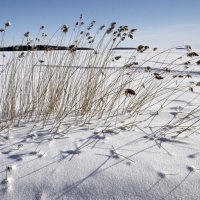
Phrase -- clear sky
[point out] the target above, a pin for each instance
(159, 22)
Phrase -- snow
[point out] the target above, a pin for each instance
(121, 158)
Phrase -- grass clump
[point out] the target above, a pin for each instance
(53, 85)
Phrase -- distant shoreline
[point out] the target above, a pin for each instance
(52, 48)
(39, 48)
(61, 48)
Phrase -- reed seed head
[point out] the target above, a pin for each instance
(101, 27)
(198, 84)
(158, 76)
(72, 48)
(180, 76)
(140, 48)
(188, 76)
(191, 89)
(133, 30)
(42, 27)
(148, 69)
(65, 28)
(41, 61)
(186, 63)
(198, 62)
(192, 54)
(130, 36)
(44, 35)
(117, 57)
(129, 92)
(26, 34)
(7, 24)
(131, 64)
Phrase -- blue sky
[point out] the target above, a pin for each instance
(160, 22)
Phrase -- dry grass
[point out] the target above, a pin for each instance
(52, 85)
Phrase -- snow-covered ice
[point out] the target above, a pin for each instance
(118, 159)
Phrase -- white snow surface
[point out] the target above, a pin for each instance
(116, 160)
(125, 164)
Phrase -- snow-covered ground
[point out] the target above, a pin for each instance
(152, 157)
